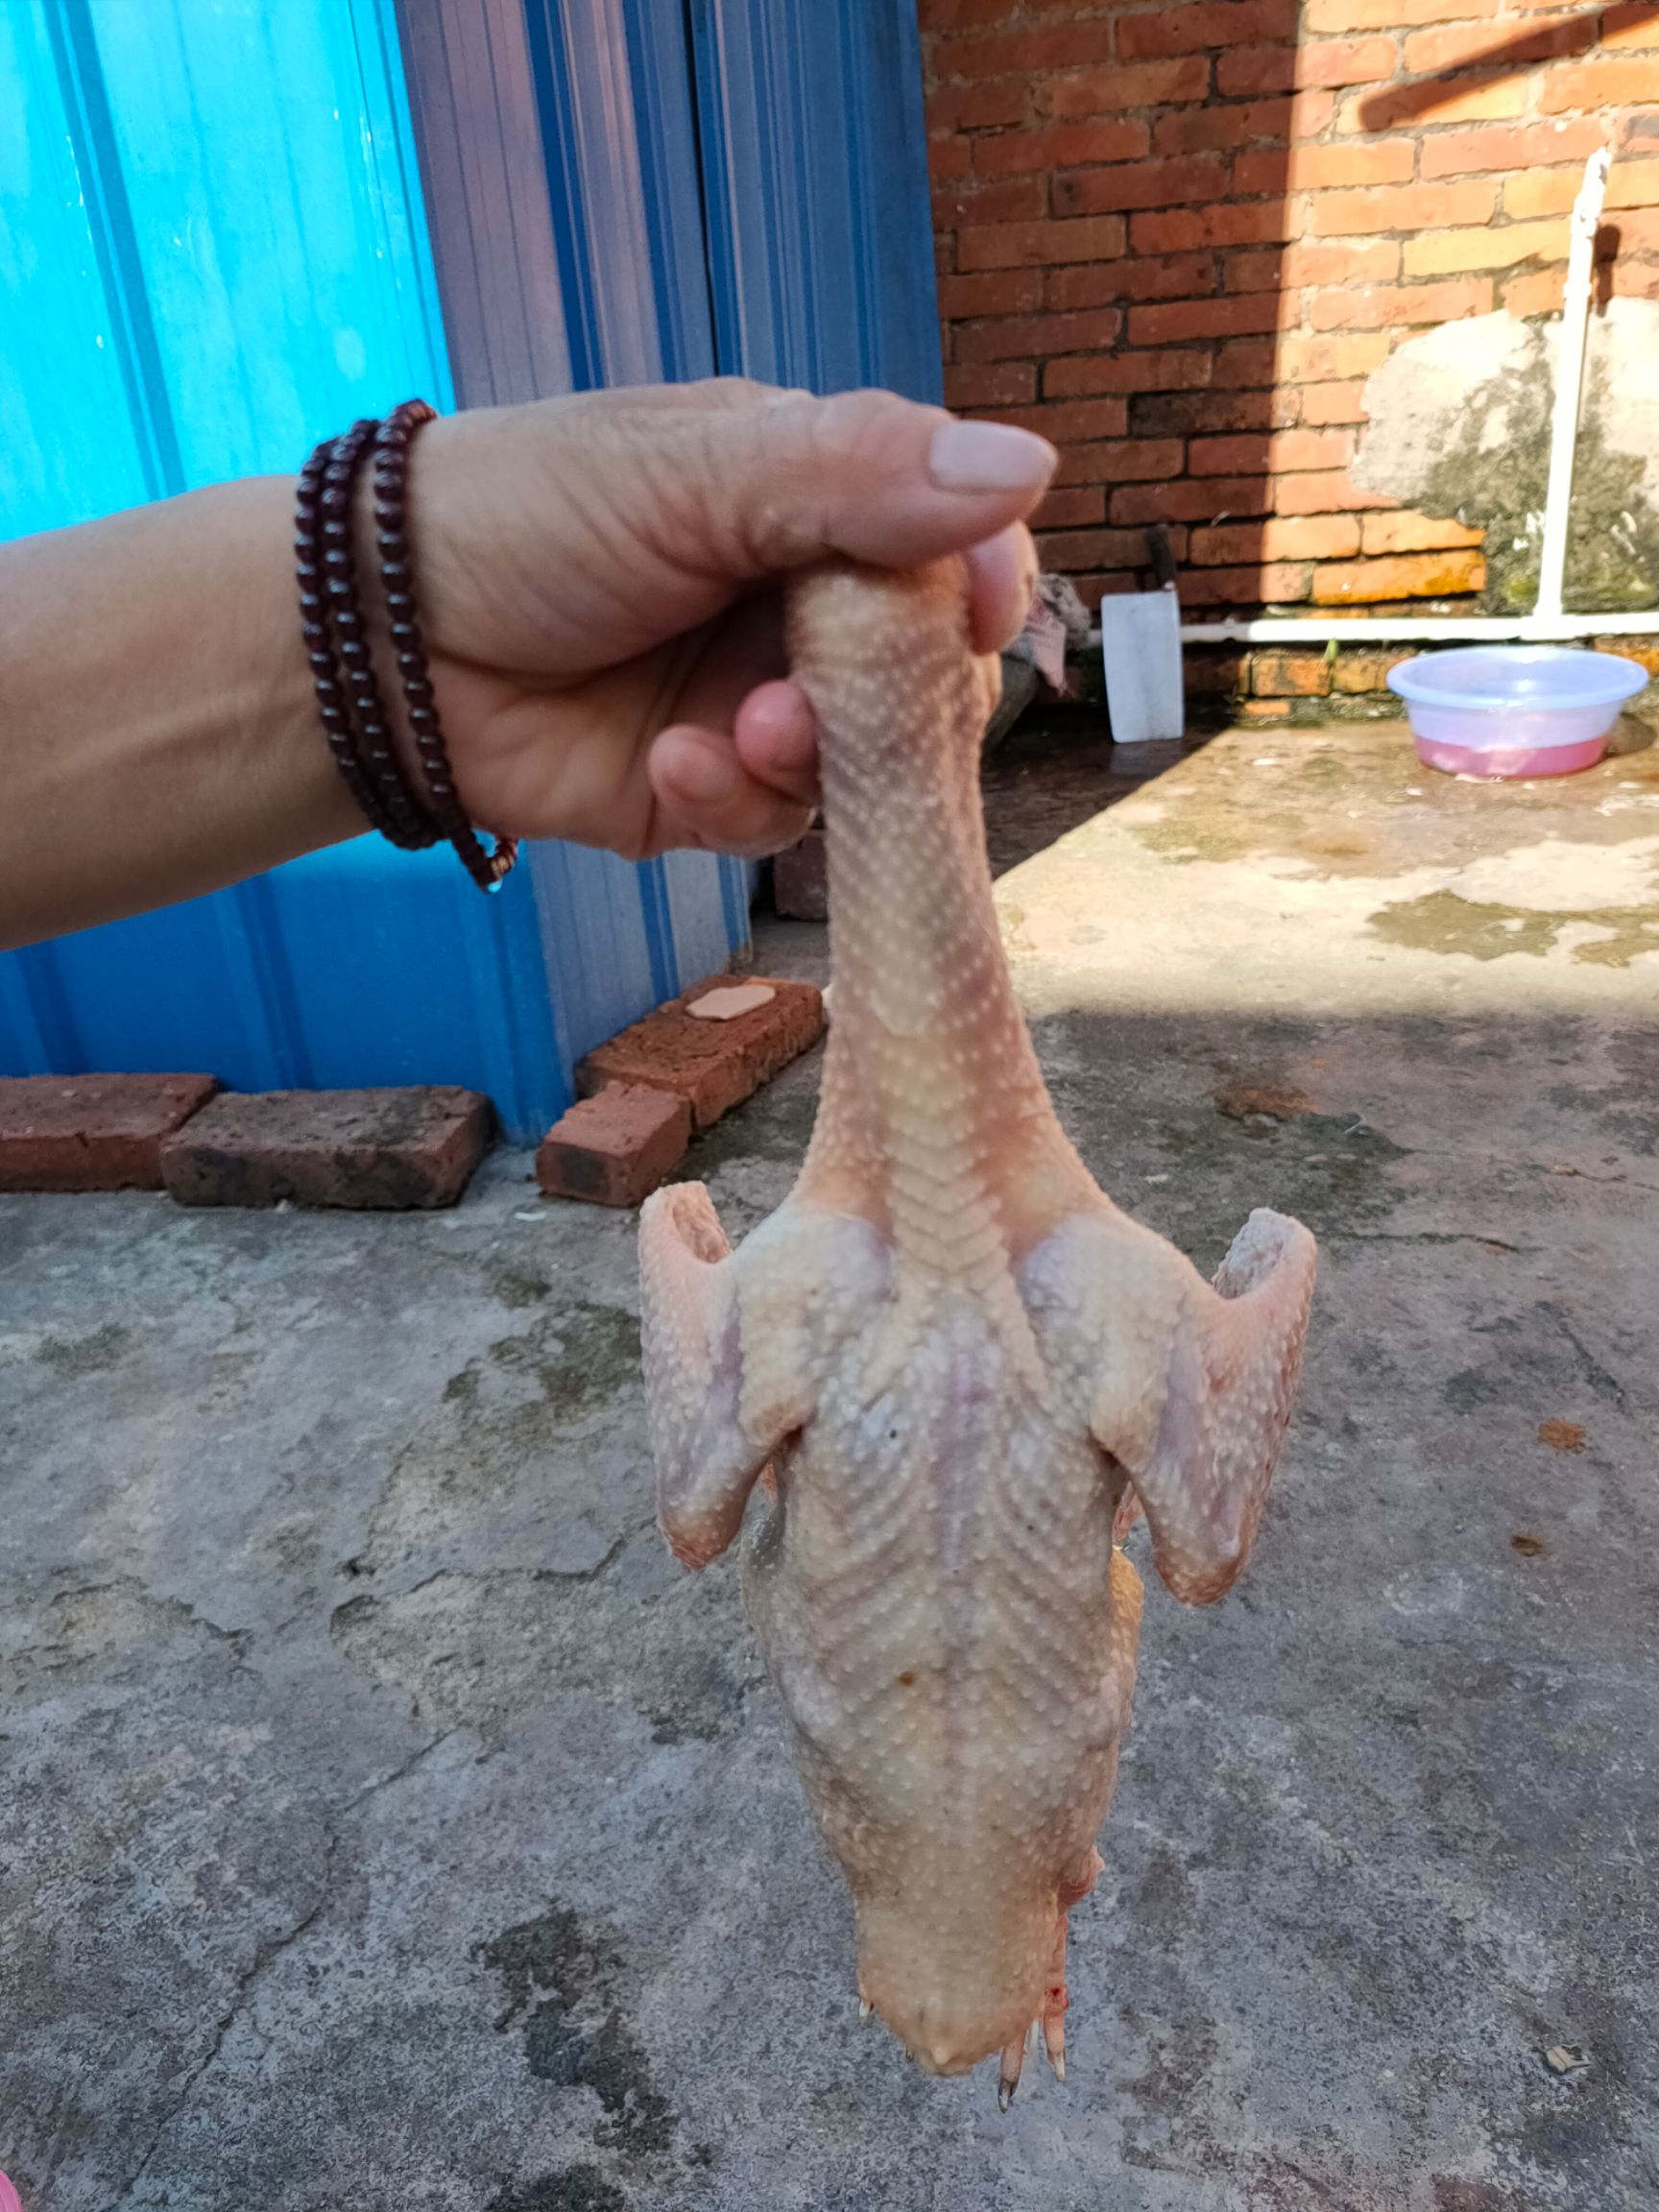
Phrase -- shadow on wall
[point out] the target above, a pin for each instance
(1473, 57)
(1475, 504)
(1180, 241)
(1478, 393)
(1111, 204)
(1484, 62)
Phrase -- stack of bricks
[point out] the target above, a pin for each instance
(1177, 240)
(648, 1089)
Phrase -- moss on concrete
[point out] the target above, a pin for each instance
(1500, 484)
(1465, 433)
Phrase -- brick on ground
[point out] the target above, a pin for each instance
(91, 1132)
(712, 1064)
(392, 1149)
(615, 1147)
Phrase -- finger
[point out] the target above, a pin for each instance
(706, 796)
(1002, 577)
(863, 473)
(776, 741)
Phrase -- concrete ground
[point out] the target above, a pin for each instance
(387, 1822)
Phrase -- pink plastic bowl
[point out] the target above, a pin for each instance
(1508, 761)
(10, 2200)
(1514, 710)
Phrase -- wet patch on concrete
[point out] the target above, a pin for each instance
(1326, 807)
(1541, 1347)
(562, 1986)
(1292, 799)
(1328, 1171)
(1173, 1122)
(580, 2188)
(1442, 922)
(577, 1355)
(99, 1349)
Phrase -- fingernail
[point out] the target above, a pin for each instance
(989, 457)
(704, 774)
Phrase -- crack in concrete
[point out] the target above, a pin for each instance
(267, 1955)
(1584, 1175)
(263, 1957)
(365, 1598)
(120, 1583)
(1425, 1236)
(89, 1620)
(1607, 1386)
(398, 1773)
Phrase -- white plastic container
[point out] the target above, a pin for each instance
(1514, 710)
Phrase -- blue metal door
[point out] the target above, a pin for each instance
(226, 229)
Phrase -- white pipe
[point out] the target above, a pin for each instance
(1530, 629)
(1570, 382)
(1352, 629)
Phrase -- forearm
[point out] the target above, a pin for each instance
(158, 735)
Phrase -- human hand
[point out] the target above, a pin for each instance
(599, 585)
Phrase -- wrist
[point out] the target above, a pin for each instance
(365, 644)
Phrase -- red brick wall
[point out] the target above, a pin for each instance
(1177, 239)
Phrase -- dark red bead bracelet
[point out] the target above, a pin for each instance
(349, 697)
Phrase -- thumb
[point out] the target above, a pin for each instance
(867, 474)
(571, 534)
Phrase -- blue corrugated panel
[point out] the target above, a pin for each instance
(815, 187)
(422, 982)
(255, 269)
(578, 118)
(472, 97)
(65, 372)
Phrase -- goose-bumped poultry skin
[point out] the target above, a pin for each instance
(961, 1365)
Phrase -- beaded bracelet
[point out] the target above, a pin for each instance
(348, 698)
(392, 442)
